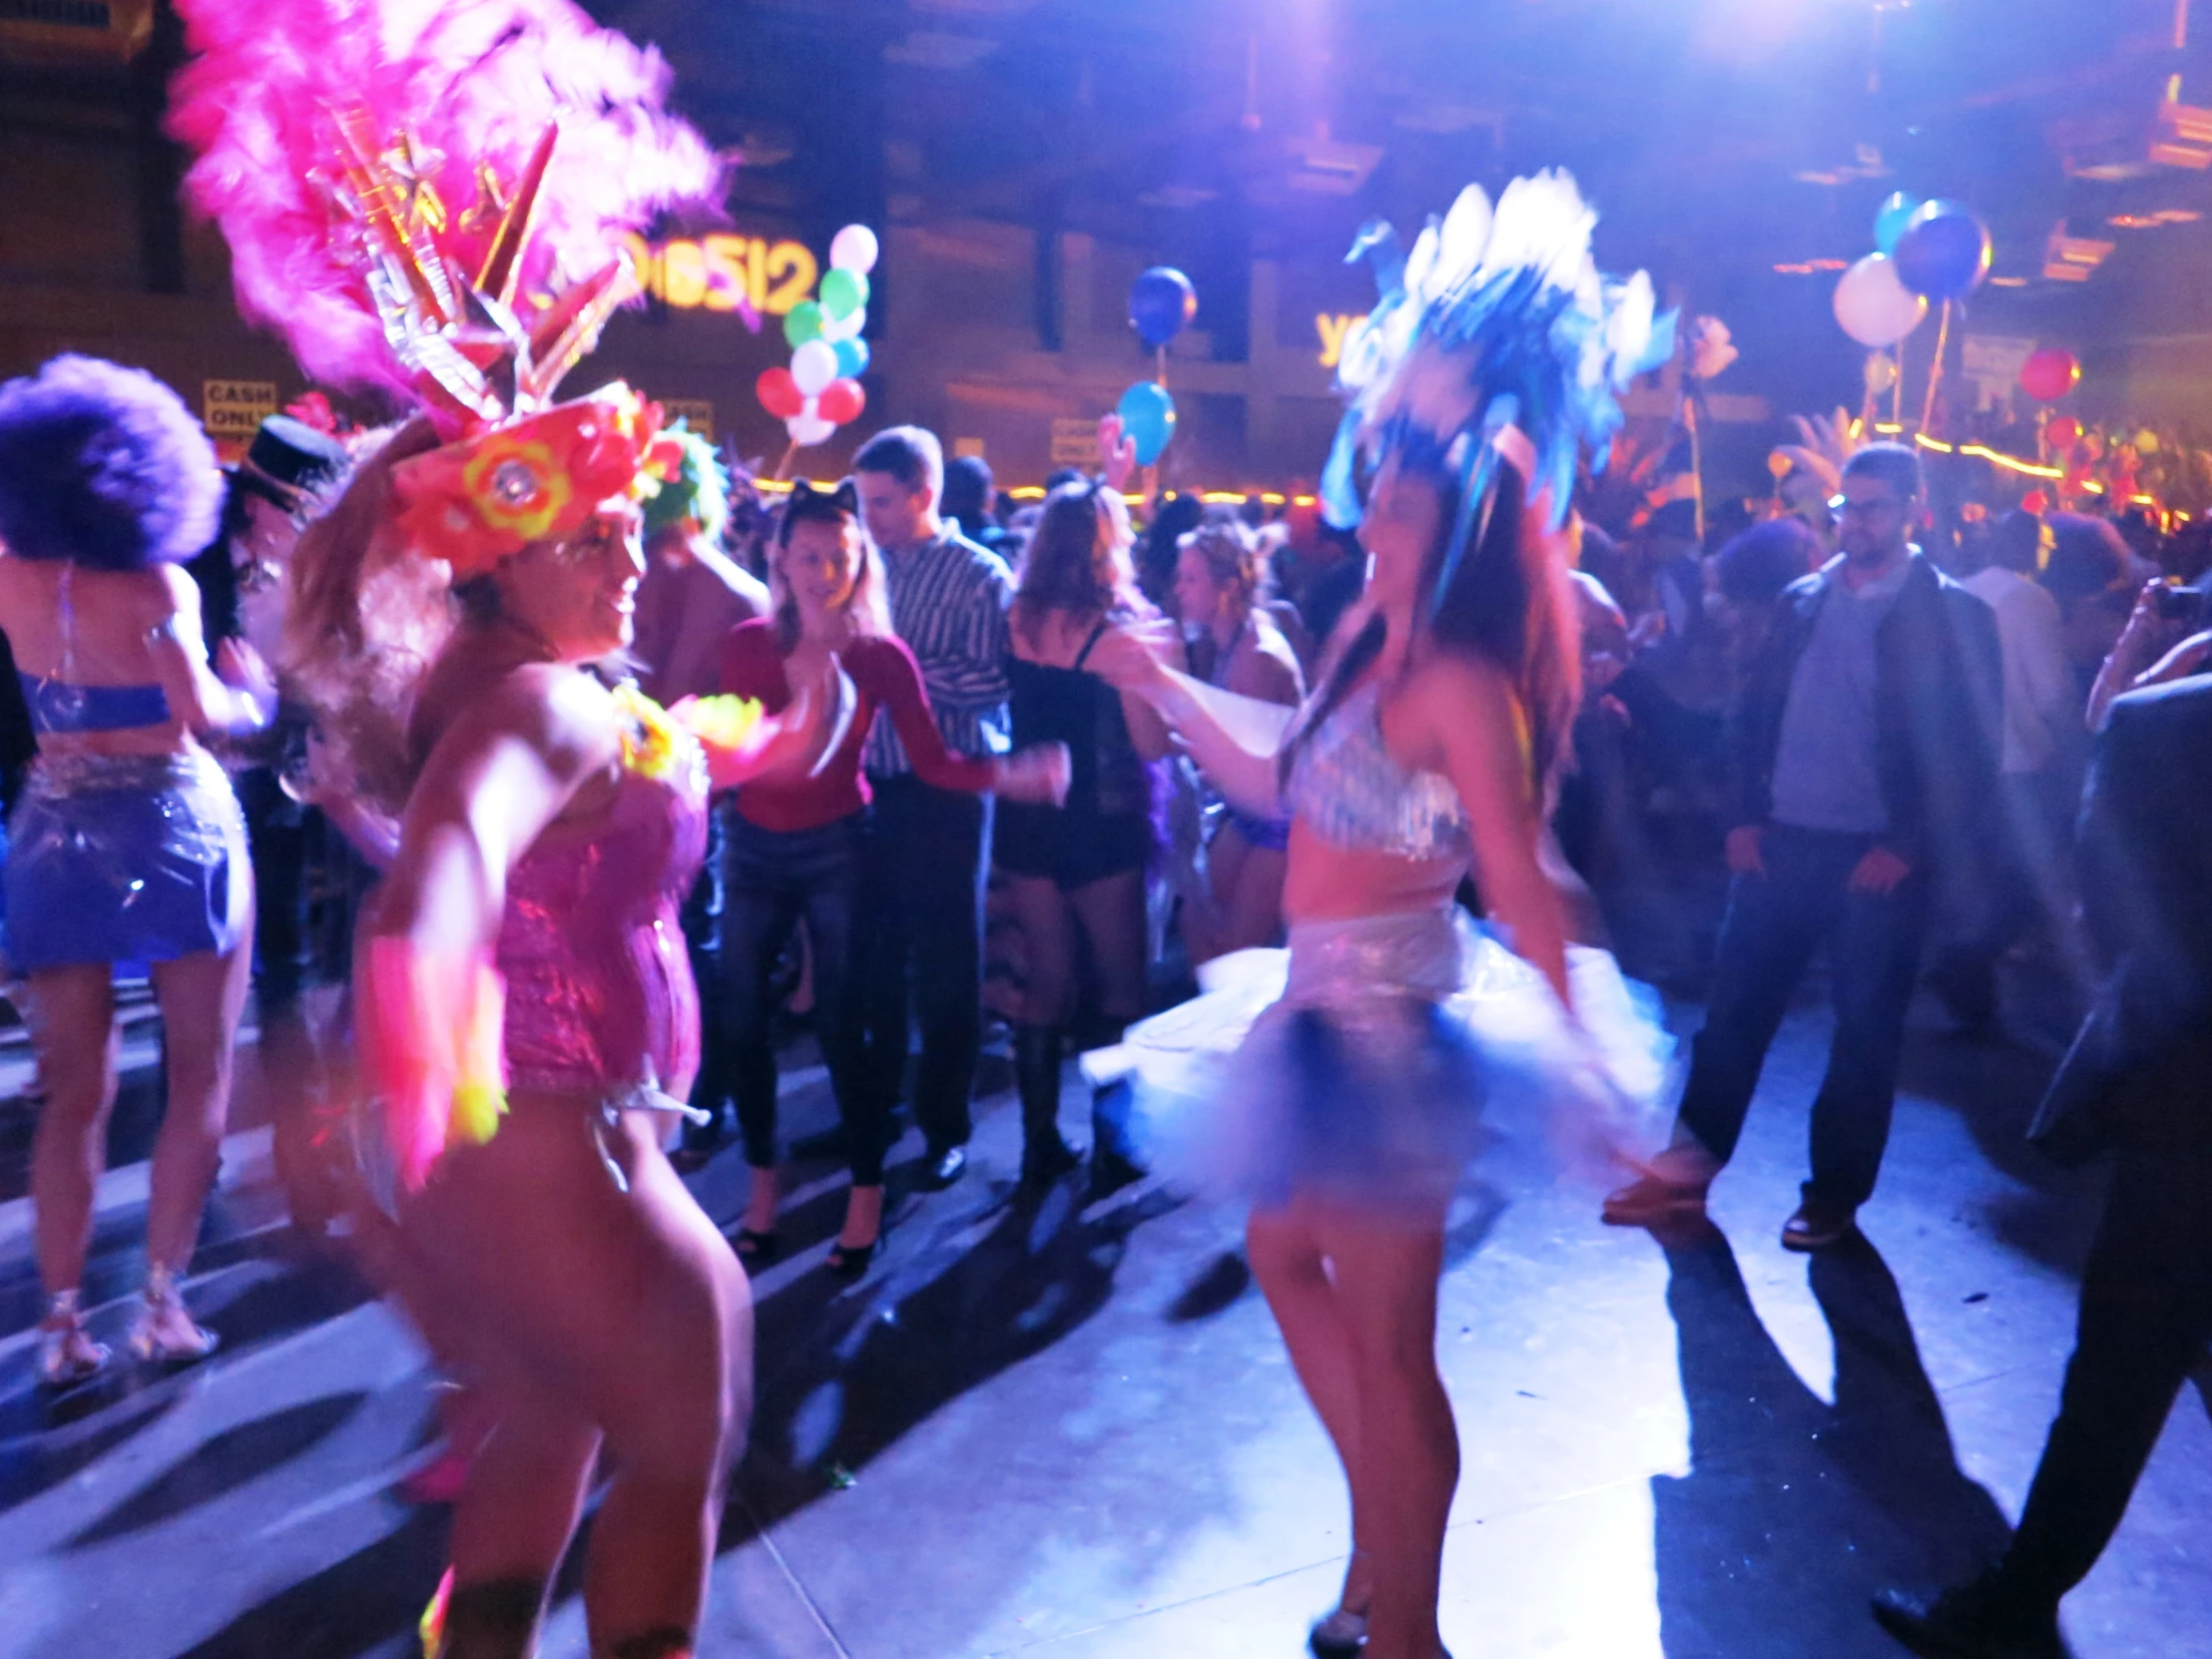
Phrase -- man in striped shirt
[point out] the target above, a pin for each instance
(930, 848)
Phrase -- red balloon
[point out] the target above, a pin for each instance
(2036, 502)
(780, 393)
(2049, 375)
(842, 401)
(2063, 433)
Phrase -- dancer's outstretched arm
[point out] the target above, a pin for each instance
(1236, 741)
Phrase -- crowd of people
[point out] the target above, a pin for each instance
(1043, 715)
(1879, 731)
(587, 774)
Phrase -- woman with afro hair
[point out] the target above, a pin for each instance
(127, 845)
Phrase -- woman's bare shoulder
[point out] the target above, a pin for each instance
(1267, 668)
(1447, 688)
(566, 716)
(1051, 638)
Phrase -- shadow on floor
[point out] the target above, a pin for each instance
(46, 1438)
(222, 1463)
(1795, 1512)
(1994, 1086)
(842, 1377)
(361, 1605)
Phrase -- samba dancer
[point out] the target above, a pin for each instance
(1425, 752)
(526, 1011)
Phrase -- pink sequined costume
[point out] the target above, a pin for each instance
(600, 997)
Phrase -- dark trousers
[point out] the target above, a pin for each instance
(2146, 1314)
(922, 948)
(279, 835)
(703, 928)
(1773, 924)
(772, 879)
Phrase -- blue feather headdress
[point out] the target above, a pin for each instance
(1497, 318)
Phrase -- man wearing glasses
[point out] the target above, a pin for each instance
(1863, 752)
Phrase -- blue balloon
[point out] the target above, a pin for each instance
(851, 359)
(1945, 252)
(1160, 304)
(1890, 222)
(1146, 416)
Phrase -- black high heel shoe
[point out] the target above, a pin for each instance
(754, 1250)
(849, 1262)
(1339, 1635)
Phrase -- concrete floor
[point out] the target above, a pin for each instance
(1073, 1435)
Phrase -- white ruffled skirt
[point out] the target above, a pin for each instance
(1356, 1065)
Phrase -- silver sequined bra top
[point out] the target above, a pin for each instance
(1348, 790)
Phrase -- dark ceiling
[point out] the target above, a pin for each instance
(1720, 137)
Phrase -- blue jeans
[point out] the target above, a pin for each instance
(702, 919)
(1773, 924)
(771, 878)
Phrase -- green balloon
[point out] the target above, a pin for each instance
(802, 323)
(844, 292)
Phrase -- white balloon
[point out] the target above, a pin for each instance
(815, 367)
(844, 328)
(808, 429)
(1873, 306)
(854, 249)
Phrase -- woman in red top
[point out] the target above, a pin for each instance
(795, 844)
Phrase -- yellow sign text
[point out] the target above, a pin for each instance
(1334, 329)
(716, 272)
(236, 409)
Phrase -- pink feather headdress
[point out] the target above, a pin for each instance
(426, 197)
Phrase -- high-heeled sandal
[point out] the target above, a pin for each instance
(849, 1262)
(160, 1301)
(1341, 1635)
(755, 1250)
(67, 1355)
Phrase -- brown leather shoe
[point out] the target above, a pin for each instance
(1674, 1191)
(1816, 1225)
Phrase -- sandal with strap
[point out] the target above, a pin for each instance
(755, 1250)
(67, 1355)
(153, 1337)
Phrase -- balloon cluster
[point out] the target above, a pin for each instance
(1924, 251)
(820, 391)
(1162, 303)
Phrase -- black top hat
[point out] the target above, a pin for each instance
(290, 460)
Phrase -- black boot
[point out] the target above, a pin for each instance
(1045, 1156)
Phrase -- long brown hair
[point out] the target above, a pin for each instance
(364, 621)
(1509, 602)
(1070, 565)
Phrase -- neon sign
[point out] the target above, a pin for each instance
(716, 271)
(1334, 329)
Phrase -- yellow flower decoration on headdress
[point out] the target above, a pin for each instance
(517, 485)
